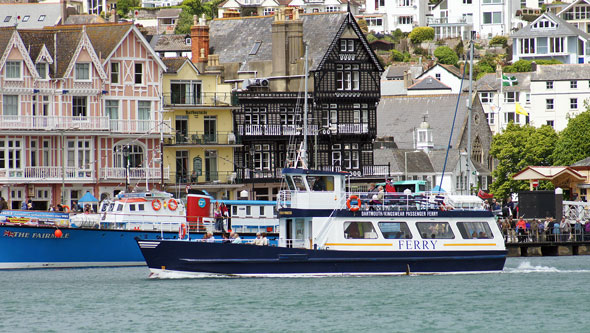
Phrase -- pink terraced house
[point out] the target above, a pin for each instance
(79, 111)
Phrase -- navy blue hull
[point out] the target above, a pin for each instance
(217, 258)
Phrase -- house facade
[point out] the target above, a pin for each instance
(551, 37)
(80, 112)
(266, 67)
(232, 8)
(387, 16)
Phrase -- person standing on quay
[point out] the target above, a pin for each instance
(3, 204)
(578, 230)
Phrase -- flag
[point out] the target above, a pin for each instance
(509, 81)
(521, 110)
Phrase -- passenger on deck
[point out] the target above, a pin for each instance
(319, 184)
(208, 238)
(258, 240)
(225, 238)
(474, 235)
(235, 238)
(264, 239)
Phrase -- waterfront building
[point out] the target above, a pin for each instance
(81, 111)
(387, 16)
(263, 58)
(233, 8)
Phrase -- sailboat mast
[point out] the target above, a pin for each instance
(305, 106)
(469, 111)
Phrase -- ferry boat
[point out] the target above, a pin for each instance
(325, 230)
(38, 239)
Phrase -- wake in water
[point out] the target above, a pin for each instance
(527, 267)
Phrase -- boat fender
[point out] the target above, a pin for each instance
(182, 231)
(172, 204)
(66, 208)
(353, 208)
(156, 204)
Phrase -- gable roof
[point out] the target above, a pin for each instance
(547, 173)
(570, 5)
(490, 82)
(563, 29)
(168, 13)
(173, 65)
(563, 72)
(449, 68)
(400, 115)
(429, 83)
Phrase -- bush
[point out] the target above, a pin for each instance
(396, 56)
(445, 55)
(420, 34)
(371, 38)
(420, 51)
(499, 40)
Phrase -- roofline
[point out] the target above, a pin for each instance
(133, 27)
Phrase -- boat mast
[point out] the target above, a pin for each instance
(305, 106)
(469, 111)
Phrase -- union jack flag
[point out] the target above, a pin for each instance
(8, 233)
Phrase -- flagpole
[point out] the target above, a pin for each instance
(469, 111)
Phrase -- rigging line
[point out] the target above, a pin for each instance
(453, 125)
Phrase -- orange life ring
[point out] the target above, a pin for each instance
(156, 204)
(353, 208)
(182, 231)
(66, 208)
(172, 204)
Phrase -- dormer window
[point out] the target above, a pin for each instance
(346, 45)
(187, 41)
(14, 70)
(544, 24)
(42, 70)
(82, 72)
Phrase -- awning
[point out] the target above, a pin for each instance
(88, 197)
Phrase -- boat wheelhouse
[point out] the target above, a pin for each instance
(326, 230)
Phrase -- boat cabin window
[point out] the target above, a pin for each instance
(120, 207)
(234, 210)
(429, 230)
(111, 207)
(395, 230)
(470, 230)
(261, 211)
(248, 210)
(321, 183)
(299, 183)
(290, 183)
(359, 230)
(140, 207)
(132, 208)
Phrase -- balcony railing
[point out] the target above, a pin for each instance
(134, 173)
(276, 130)
(202, 99)
(46, 173)
(211, 177)
(86, 123)
(201, 138)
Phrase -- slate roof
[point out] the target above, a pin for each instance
(52, 12)
(563, 29)
(563, 72)
(429, 83)
(585, 162)
(174, 64)
(398, 116)
(168, 13)
(233, 38)
(84, 19)
(162, 43)
(490, 82)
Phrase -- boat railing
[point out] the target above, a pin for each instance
(398, 201)
(294, 242)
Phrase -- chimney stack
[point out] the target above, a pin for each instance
(287, 42)
(199, 40)
(64, 11)
(113, 18)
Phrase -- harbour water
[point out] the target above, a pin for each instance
(540, 294)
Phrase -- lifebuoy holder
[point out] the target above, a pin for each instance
(156, 204)
(172, 204)
(350, 206)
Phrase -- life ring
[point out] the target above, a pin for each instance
(156, 204)
(66, 208)
(353, 208)
(182, 231)
(172, 204)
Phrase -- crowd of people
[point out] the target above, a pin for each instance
(234, 237)
(547, 230)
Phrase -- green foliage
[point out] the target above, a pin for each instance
(548, 62)
(123, 6)
(420, 51)
(194, 7)
(460, 49)
(573, 144)
(398, 35)
(525, 65)
(516, 148)
(363, 26)
(371, 38)
(396, 55)
(499, 40)
(185, 21)
(445, 55)
(420, 34)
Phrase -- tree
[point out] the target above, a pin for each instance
(446, 56)
(123, 6)
(363, 26)
(396, 55)
(573, 144)
(515, 149)
(420, 34)
(185, 21)
(191, 8)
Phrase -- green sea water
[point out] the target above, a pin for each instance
(546, 294)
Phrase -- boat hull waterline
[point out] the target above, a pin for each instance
(37, 247)
(248, 260)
